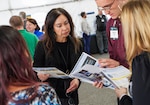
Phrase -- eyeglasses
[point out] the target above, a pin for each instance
(70, 99)
(107, 7)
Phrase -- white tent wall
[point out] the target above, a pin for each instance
(39, 8)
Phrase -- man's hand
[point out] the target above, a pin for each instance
(110, 63)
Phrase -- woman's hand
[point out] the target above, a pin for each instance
(110, 63)
(74, 84)
(42, 76)
(120, 92)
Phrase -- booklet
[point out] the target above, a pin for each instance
(87, 69)
(53, 71)
(111, 77)
(56, 73)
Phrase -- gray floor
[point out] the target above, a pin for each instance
(89, 95)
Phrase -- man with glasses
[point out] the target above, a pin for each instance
(115, 36)
(114, 32)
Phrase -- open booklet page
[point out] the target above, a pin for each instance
(111, 77)
(118, 76)
(88, 73)
(85, 59)
(53, 71)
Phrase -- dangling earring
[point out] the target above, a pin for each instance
(119, 8)
(121, 3)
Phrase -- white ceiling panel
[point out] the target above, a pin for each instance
(4, 5)
(18, 4)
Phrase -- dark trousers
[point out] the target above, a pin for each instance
(66, 102)
(117, 101)
(102, 43)
(86, 40)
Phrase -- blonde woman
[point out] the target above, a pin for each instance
(136, 27)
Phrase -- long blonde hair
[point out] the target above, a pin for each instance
(135, 18)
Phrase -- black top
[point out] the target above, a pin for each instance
(101, 22)
(63, 57)
(140, 80)
(125, 100)
(63, 49)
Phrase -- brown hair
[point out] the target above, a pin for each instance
(16, 21)
(33, 21)
(15, 62)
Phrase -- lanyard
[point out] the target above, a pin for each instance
(114, 24)
(65, 60)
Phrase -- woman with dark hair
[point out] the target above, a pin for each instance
(18, 82)
(33, 27)
(60, 48)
